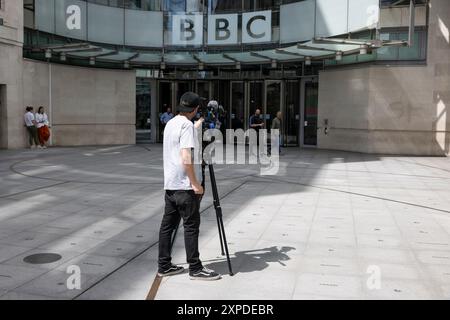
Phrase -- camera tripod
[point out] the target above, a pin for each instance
(219, 215)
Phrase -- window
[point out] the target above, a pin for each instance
(416, 52)
(388, 3)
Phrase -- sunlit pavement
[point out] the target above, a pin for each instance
(330, 225)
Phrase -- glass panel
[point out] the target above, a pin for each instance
(203, 89)
(291, 114)
(331, 17)
(105, 24)
(273, 102)
(183, 87)
(143, 111)
(150, 26)
(297, 21)
(256, 97)
(388, 53)
(165, 101)
(412, 53)
(175, 5)
(311, 102)
(256, 5)
(237, 103)
(222, 95)
(217, 6)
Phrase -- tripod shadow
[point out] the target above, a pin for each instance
(252, 260)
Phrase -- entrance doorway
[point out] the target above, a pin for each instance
(296, 99)
(284, 96)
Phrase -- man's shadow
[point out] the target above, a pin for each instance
(252, 260)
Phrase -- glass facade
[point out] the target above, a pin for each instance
(215, 6)
(271, 75)
(211, 6)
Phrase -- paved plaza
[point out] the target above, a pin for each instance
(330, 225)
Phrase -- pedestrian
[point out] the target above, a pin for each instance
(183, 193)
(30, 123)
(166, 117)
(277, 124)
(257, 123)
(42, 127)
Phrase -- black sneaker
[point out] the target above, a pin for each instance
(205, 275)
(173, 270)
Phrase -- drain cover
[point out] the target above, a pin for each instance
(42, 258)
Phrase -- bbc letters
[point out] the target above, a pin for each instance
(188, 29)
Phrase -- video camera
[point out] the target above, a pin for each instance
(212, 112)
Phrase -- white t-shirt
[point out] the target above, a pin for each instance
(42, 120)
(178, 135)
(29, 118)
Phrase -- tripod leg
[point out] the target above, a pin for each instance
(222, 236)
(217, 206)
(226, 247)
(214, 190)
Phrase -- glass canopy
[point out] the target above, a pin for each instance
(317, 49)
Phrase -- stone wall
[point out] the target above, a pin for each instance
(88, 106)
(392, 109)
(11, 41)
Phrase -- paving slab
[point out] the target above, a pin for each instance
(324, 227)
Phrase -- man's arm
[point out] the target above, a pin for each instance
(186, 155)
(252, 123)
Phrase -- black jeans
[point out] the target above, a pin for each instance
(185, 205)
(33, 136)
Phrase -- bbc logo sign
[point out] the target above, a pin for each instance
(187, 29)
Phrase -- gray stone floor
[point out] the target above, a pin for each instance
(316, 231)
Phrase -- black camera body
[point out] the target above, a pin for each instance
(212, 112)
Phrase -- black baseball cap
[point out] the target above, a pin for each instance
(188, 102)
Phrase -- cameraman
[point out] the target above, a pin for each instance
(183, 192)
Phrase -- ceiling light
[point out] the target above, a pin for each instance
(274, 64)
(308, 61)
(48, 54)
(363, 49)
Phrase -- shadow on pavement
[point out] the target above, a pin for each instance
(252, 260)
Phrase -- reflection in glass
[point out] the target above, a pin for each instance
(143, 111)
(237, 105)
(273, 102)
(291, 116)
(311, 102)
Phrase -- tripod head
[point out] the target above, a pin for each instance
(212, 112)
